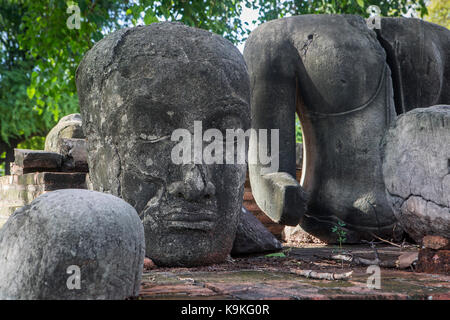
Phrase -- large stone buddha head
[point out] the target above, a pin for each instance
(136, 88)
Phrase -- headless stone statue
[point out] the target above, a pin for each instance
(336, 74)
(418, 54)
(136, 87)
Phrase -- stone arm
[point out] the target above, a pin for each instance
(273, 100)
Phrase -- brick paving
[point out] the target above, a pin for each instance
(262, 277)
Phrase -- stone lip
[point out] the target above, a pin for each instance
(97, 233)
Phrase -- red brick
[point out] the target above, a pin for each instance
(436, 242)
(434, 261)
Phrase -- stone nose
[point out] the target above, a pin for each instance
(194, 185)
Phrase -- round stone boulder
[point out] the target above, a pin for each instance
(72, 244)
(416, 170)
(68, 127)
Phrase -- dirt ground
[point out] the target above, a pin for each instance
(278, 277)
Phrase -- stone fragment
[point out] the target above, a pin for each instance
(26, 161)
(407, 260)
(253, 237)
(72, 244)
(74, 152)
(298, 235)
(69, 126)
(417, 173)
(136, 87)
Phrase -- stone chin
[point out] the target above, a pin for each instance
(193, 233)
(197, 248)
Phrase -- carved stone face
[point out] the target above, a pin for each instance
(151, 81)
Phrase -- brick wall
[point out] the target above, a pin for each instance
(19, 190)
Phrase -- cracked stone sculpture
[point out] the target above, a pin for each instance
(332, 71)
(336, 74)
(72, 244)
(416, 170)
(137, 86)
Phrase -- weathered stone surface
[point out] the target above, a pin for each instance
(253, 237)
(99, 233)
(306, 64)
(26, 161)
(417, 173)
(74, 152)
(135, 87)
(418, 53)
(67, 127)
(435, 242)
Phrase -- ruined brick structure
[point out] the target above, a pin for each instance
(21, 188)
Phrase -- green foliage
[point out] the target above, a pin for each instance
(2, 164)
(274, 9)
(439, 12)
(298, 130)
(39, 54)
(34, 143)
(340, 232)
(221, 17)
(276, 255)
(55, 51)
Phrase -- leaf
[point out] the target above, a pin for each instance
(150, 18)
(360, 3)
(30, 92)
(276, 255)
